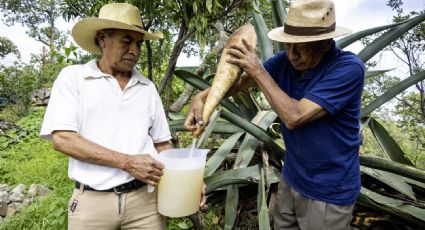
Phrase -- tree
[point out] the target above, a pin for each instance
(7, 47)
(17, 84)
(38, 16)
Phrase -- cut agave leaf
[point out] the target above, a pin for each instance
(381, 42)
(372, 73)
(392, 180)
(215, 160)
(349, 39)
(208, 130)
(231, 208)
(257, 132)
(201, 84)
(263, 211)
(394, 167)
(392, 92)
(387, 143)
(247, 149)
(394, 206)
(241, 176)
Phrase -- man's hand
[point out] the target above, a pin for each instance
(144, 168)
(194, 120)
(244, 56)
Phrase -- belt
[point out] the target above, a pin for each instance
(127, 187)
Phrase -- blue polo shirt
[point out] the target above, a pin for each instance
(322, 157)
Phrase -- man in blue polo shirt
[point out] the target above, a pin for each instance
(315, 88)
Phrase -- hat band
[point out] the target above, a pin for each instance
(307, 31)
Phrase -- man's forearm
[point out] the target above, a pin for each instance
(292, 112)
(78, 147)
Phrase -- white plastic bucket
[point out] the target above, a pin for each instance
(179, 190)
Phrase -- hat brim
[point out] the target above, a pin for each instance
(277, 34)
(84, 32)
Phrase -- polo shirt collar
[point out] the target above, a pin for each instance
(93, 71)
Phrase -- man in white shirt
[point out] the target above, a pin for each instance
(109, 120)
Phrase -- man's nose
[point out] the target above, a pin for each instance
(134, 49)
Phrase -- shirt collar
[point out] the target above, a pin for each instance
(93, 71)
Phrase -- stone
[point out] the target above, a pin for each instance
(33, 191)
(10, 211)
(41, 97)
(3, 208)
(27, 202)
(43, 191)
(4, 196)
(19, 189)
(15, 205)
(16, 197)
(4, 188)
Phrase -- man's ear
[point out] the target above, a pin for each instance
(100, 37)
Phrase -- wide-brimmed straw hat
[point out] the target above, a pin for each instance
(307, 21)
(111, 16)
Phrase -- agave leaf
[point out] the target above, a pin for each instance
(364, 121)
(263, 212)
(381, 42)
(215, 160)
(230, 211)
(256, 132)
(201, 84)
(349, 39)
(393, 167)
(222, 126)
(417, 184)
(393, 180)
(371, 73)
(246, 105)
(208, 130)
(240, 176)
(247, 149)
(394, 91)
(261, 30)
(387, 143)
(394, 206)
(279, 15)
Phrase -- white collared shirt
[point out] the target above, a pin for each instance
(130, 121)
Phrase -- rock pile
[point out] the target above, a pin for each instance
(41, 97)
(13, 200)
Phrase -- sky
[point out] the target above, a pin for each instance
(354, 14)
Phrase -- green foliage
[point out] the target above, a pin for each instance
(179, 223)
(32, 160)
(7, 47)
(17, 84)
(38, 16)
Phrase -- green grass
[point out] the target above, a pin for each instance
(32, 160)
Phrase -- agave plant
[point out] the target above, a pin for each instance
(246, 126)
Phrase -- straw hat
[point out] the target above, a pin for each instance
(307, 21)
(111, 16)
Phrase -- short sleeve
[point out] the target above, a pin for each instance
(62, 110)
(341, 84)
(159, 131)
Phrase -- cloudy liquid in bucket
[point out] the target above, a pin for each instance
(185, 184)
